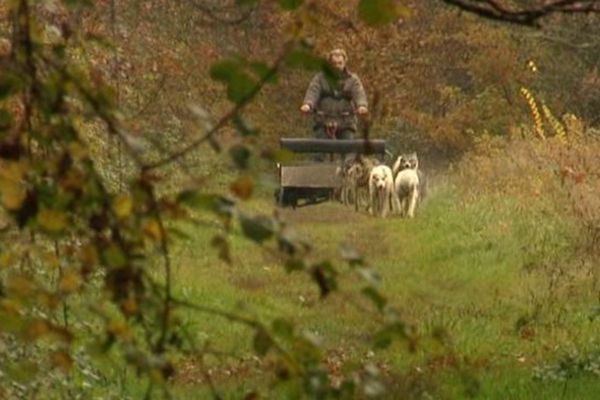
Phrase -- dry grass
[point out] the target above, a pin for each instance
(565, 176)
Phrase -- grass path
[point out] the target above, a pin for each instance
(494, 278)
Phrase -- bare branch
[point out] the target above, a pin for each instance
(221, 13)
(530, 16)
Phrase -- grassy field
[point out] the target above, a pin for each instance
(502, 283)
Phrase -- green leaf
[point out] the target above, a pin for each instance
(290, 4)
(5, 120)
(283, 328)
(224, 70)
(302, 58)
(258, 228)
(263, 71)
(375, 297)
(325, 277)
(262, 342)
(222, 245)
(9, 84)
(206, 201)
(385, 337)
(195, 199)
(294, 264)
(113, 256)
(242, 126)
(240, 155)
(241, 86)
(379, 12)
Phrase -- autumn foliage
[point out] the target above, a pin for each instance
(116, 122)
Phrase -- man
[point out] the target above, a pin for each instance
(335, 99)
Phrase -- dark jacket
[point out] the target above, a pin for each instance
(336, 98)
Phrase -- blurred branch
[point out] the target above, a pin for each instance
(529, 16)
(151, 98)
(164, 247)
(221, 13)
(567, 43)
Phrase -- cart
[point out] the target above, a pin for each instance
(308, 182)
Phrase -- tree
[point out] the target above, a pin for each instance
(81, 254)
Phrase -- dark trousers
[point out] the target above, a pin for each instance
(341, 134)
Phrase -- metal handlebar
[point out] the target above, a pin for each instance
(330, 115)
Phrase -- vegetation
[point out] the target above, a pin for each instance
(142, 255)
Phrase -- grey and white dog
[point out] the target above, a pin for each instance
(355, 179)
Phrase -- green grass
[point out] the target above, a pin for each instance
(499, 279)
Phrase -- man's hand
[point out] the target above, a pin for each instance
(362, 110)
(305, 108)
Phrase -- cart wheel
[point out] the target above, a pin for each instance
(286, 197)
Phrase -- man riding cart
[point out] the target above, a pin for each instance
(335, 98)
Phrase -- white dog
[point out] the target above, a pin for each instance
(406, 184)
(381, 190)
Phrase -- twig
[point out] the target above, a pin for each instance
(167, 270)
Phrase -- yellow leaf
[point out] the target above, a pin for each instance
(70, 282)
(51, 260)
(62, 360)
(46, 299)
(156, 375)
(52, 220)
(13, 194)
(36, 329)
(13, 170)
(12, 189)
(88, 255)
(20, 285)
(122, 206)
(77, 151)
(7, 259)
(243, 187)
(129, 306)
(119, 329)
(10, 306)
(151, 229)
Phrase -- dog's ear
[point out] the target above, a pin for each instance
(416, 162)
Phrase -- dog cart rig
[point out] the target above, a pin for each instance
(308, 182)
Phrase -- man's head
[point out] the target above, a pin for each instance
(338, 59)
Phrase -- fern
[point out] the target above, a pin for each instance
(557, 126)
(538, 126)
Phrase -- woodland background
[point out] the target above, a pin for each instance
(142, 254)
